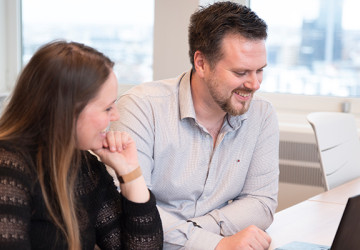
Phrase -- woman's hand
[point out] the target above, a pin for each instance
(119, 152)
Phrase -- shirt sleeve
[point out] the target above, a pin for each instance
(180, 233)
(15, 207)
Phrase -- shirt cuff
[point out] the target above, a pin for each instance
(203, 240)
(208, 223)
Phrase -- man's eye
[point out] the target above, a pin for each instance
(240, 73)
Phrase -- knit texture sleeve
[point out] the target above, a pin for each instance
(120, 223)
(15, 207)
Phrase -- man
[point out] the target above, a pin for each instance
(208, 147)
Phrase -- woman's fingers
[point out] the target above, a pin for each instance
(119, 152)
(117, 141)
(111, 141)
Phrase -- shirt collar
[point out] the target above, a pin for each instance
(187, 109)
(234, 122)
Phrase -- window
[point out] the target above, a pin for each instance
(121, 29)
(313, 46)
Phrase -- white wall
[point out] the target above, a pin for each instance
(2, 45)
(170, 37)
(10, 42)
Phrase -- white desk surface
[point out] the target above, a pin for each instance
(339, 194)
(314, 220)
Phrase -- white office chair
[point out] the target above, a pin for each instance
(339, 146)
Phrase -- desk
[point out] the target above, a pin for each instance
(314, 220)
(339, 194)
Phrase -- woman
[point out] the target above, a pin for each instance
(54, 194)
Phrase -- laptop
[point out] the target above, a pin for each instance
(347, 235)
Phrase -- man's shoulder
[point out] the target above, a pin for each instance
(261, 100)
(154, 89)
(261, 108)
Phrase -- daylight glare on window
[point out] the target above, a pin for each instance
(121, 29)
(313, 46)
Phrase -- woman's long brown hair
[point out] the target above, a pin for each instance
(52, 90)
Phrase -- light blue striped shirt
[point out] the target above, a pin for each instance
(223, 189)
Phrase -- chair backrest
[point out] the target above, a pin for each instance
(339, 146)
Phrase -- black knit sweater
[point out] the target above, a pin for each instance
(106, 218)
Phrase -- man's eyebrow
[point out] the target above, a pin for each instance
(246, 70)
(263, 66)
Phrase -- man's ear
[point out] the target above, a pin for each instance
(199, 63)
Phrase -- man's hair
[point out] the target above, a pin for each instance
(210, 24)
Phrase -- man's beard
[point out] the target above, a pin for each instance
(225, 102)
